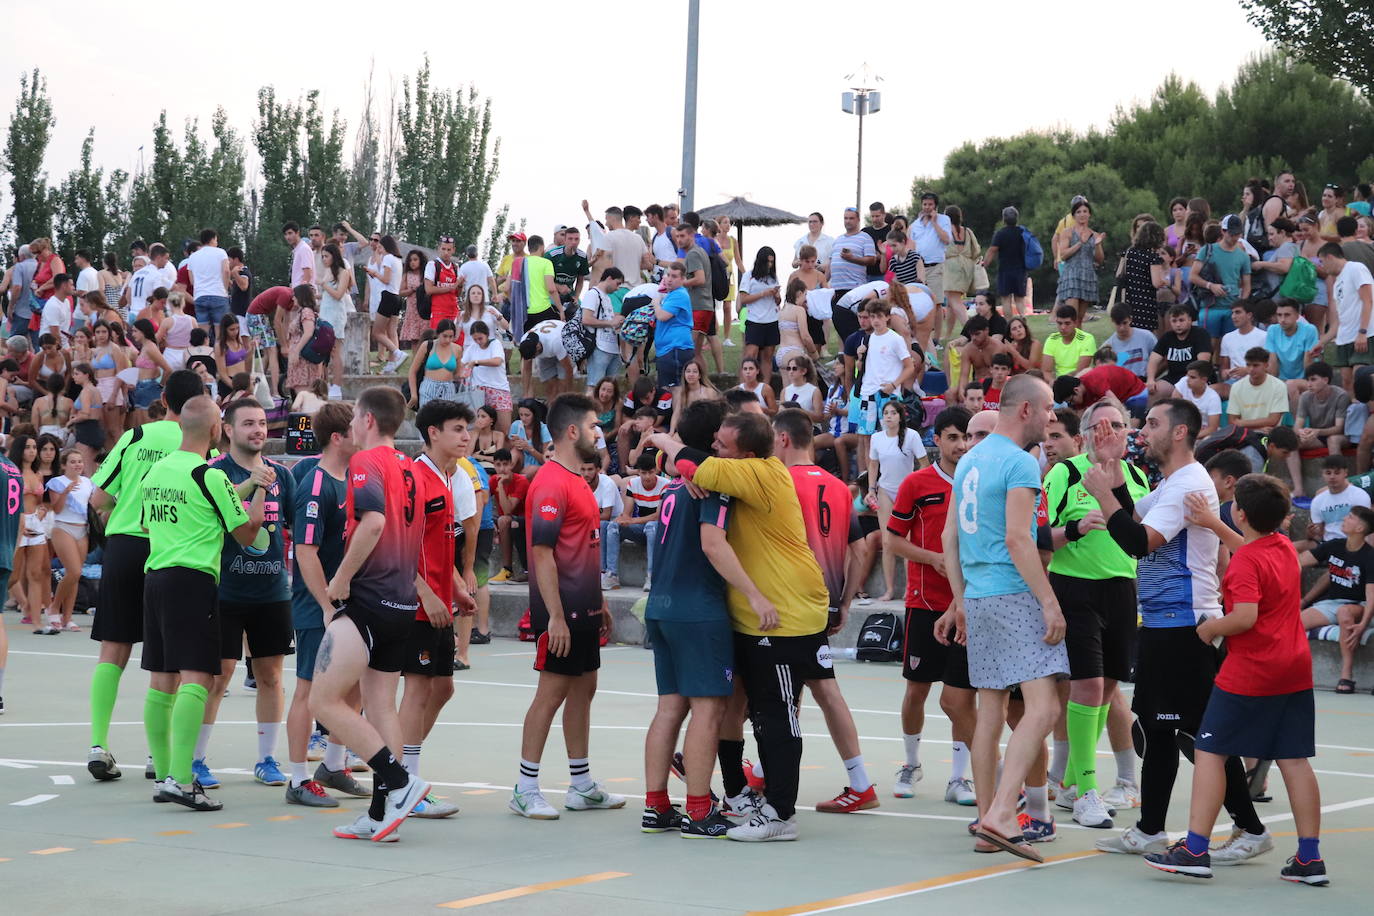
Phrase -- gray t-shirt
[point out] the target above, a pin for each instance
(1321, 414)
(698, 260)
(1363, 252)
(23, 275)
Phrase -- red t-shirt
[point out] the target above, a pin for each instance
(831, 525)
(184, 278)
(1272, 657)
(918, 514)
(269, 300)
(515, 489)
(992, 397)
(436, 547)
(382, 479)
(561, 512)
(1119, 380)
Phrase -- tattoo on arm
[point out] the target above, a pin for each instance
(322, 655)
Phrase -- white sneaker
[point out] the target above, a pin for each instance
(1122, 795)
(609, 581)
(1241, 846)
(647, 582)
(904, 786)
(1135, 843)
(398, 356)
(1089, 811)
(728, 342)
(388, 367)
(399, 803)
(431, 807)
(589, 799)
(960, 792)
(744, 805)
(365, 828)
(765, 827)
(335, 392)
(533, 805)
(1066, 796)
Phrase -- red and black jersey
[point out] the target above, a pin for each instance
(561, 512)
(831, 525)
(382, 479)
(918, 514)
(436, 548)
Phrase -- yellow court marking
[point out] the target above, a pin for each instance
(531, 889)
(230, 826)
(285, 817)
(898, 890)
(174, 833)
(54, 850)
(115, 839)
(4, 860)
(621, 779)
(479, 791)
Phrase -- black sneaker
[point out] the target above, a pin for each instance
(479, 638)
(710, 827)
(1313, 873)
(678, 767)
(655, 821)
(192, 796)
(148, 771)
(1179, 861)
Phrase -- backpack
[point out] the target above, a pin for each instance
(1235, 438)
(637, 325)
(523, 630)
(422, 304)
(578, 339)
(1035, 255)
(880, 640)
(321, 344)
(1300, 283)
(720, 278)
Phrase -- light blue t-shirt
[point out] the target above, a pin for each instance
(1290, 350)
(846, 274)
(1134, 353)
(676, 333)
(984, 477)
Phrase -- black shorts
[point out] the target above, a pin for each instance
(429, 650)
(1173, 678)
(806, 658)
(180, 621)
(390, 304)
(385, 633)
(584, 655)
(846, 322)
(267, 625)
(1099, 625)
(761, 334)
(868, 524)
(1282, 727)
(924, 660)
(119, 612)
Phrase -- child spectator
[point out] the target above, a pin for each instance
(1330, 506)
(509, 489)
(638, 523)
(1348, 588)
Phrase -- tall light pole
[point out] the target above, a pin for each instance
(861, 100)
(689, 110)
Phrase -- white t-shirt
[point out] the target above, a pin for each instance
(1348, 302)
(627, 250)
(1331, 509)
(57, 312)
(489, 316)
(895, 459)
(602, 309)
(883, 361)
(146, 279)
(397, 271)
(205, 265)
(487, 376)
(302, 259)
(608, 495)
(74, 510)
(664, 249)
(802, 395)
(87, 281)
(851, 299)
(550, 334)
(1208, 403)
(477, 272)
(1234, 344)
(822, 246)
(761, 311)
(1178, 582)
(652, 290)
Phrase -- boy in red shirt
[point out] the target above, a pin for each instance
(509, 489)
(1261, 704)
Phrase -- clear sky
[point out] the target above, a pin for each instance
(588, 97)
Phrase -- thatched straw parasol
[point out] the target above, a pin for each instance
(747, 213)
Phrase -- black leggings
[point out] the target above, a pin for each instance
(1159, 768)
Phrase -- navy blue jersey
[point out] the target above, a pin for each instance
(687, 587)
(248, 576)
(318, 519)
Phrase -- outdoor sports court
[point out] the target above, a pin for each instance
(69, 844)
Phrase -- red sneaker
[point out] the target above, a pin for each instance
(849, 801)
(755, 782)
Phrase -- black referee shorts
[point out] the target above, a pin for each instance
(1099, 625)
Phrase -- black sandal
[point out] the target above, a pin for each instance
(1345, 685)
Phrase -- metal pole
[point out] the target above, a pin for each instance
(689, 109)
(861, 104)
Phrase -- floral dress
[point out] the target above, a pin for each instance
(300, 372)
(413, 326)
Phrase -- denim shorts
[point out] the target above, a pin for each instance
(671, 364)
(211, 309)
(145, 393)
(602, 365)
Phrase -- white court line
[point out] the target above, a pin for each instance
(62, 779)
(32, 800)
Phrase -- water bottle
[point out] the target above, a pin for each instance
(850, 653)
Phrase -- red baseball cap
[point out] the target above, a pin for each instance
(519, 236)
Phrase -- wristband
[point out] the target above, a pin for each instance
(1071, 532)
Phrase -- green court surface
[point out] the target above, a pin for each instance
(68, 844)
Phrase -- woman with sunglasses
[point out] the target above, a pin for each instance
(801, 389)
(1333, 208)
(1310, 242)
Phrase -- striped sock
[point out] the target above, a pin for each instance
(581, 772)
(411, 758)
(529, 777)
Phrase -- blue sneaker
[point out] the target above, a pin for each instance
(268, 773)
(316, 748)
(1036, 831)
(203, 775)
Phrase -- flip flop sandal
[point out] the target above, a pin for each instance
(981, 846)
(1016, 845)
(1345, 685)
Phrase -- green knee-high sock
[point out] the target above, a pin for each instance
(187, 714)
(1082, 725)
(157, 723)
(104, 689)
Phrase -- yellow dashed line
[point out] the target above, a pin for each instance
(531, 889)
(115, 839)
(285, 817)
(230, 826)
(173, 833)
(52, 851)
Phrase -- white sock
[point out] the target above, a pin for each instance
(203, 742)
(333, 757)
(758, 769)
(961, 760)
(298, 773)
(858, 775)
(267, 739)
(1125, 763)
(1060, 761)
(581, 772)
(529, 777)
(1038, 802)
(411, 759)
(913, 749)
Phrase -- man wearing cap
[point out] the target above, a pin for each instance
(1232, 265)
(476, 271)
(850, 257)
(517, 250)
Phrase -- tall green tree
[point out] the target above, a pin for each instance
(1331, 35)
(26, 144)
(285, 194)
(91, 210)
(327, 176)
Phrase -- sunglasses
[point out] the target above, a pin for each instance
(792, 368)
